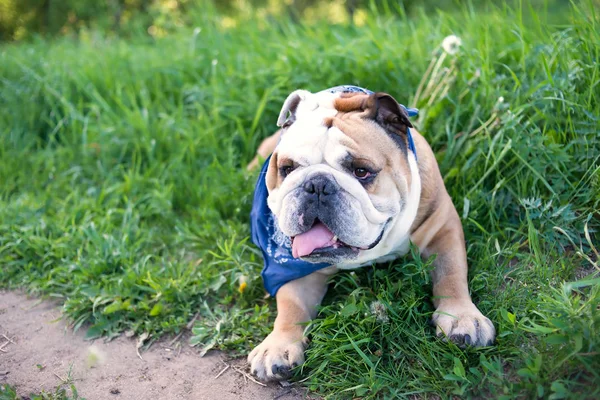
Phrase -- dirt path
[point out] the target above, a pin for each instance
(111, 370)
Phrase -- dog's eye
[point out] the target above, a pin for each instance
(361, 173)
(286, 170)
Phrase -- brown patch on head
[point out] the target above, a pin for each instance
(356, 102)
(381, 107)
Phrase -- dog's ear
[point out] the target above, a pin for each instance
(287, 115)
(381, 107)
(389, 113)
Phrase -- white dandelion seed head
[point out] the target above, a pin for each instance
(451, 44)
(95, 357)
(501, 99)
(379, 311)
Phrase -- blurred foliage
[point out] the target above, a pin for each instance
(23, 19)
(20, 19)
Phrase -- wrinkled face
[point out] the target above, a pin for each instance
(340, 180)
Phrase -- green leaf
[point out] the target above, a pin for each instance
(540, 390)
(559, 391)
(156, 310)
(111, 308)
(117, 305)
(453, 377)
(217, 283)
(538, 329)
(525, 373)
(207, 347)
(557, 339)
(512, 318)
(361, 353)
(200, 333)
(349, 309)
(458, 369)
(94, 332)
(569, 286)
(578, 343)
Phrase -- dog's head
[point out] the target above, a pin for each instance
(340, 181)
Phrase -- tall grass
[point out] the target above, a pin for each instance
(123, 190)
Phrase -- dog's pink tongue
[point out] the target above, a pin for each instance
(317, 237)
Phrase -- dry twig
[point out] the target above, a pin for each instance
(140, 343)
(9, 339)
(223, 371)
(247, 376)
(64, 380)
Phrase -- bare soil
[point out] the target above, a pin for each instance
(43, 349)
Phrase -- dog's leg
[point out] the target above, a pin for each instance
(456, 316)
(265, 149)
(283, 349)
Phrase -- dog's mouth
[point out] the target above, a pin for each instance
(320, 241)
(317, 240)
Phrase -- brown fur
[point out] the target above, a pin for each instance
(265, 149)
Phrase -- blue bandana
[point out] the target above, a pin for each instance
(280, 266)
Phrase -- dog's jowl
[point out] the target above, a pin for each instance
(350, 182)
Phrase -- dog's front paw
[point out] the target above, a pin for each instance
(274, 358)
(464, 324)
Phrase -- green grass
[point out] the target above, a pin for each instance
(64, 391)
(8, 392)
(123, 191)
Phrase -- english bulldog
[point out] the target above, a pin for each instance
(349, 183)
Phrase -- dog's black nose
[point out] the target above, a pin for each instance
(321, 185)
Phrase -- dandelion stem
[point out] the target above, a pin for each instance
(423, 79)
